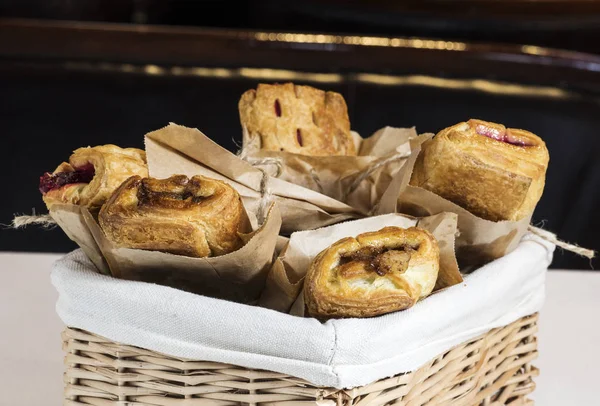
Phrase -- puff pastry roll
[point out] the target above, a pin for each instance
(196, 217)
(375, 273)
(91, 175)
(496, 173)
(298, 119)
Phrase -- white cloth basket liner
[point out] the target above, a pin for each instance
(339, 353)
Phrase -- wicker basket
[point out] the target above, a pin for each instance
(493, 369)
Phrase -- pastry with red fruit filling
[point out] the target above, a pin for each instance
(496, 173)
(92, 175)
(297, 119)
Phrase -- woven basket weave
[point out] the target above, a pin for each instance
(493, 369)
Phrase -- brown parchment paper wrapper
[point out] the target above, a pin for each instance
(285, 281)
(238, 276)
(176, 149)
(70, 219)
(358, 180)
(479, 241)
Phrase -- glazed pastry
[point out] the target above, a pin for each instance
(375, 273)
(298, 119)
(91, 175)
(496, 173)
(196, 217)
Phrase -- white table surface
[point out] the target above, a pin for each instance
(31, 354)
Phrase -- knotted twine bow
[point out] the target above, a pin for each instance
(364, 174)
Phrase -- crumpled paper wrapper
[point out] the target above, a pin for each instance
(238, 276)
(283, 290)
(358, 180)
(70, 219)
(479, 241)
(176, 149)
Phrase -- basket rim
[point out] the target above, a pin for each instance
(192, 326)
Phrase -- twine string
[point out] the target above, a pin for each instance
(315, 177)
(46, 221)
(43, 220)
(548, 236)
(265, 197)
(266, 162)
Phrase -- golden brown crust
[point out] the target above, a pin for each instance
(195, 217)
(375, 273)
(111, 166)
(494, 172)
(298, 119)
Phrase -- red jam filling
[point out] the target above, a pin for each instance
(51, 181)
(277, 108)
(299, 137)
(504, 136)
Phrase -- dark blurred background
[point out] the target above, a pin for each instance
(75, 73)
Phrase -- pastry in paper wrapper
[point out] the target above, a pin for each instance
(175, 149)
(374, 273)
(494, 172)
(238, 276)
(283, 291)
(88, 180)
(479, 241)
(302, 135)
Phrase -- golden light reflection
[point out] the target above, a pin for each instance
(154, 70)
(482, 85)
(486, 86)
(533, 50)
(361, 40)
(281, 74)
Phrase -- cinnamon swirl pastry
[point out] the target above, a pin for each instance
(375, 273)
(496, 173)
(196, 217)
(298, 119)
(91, 175)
